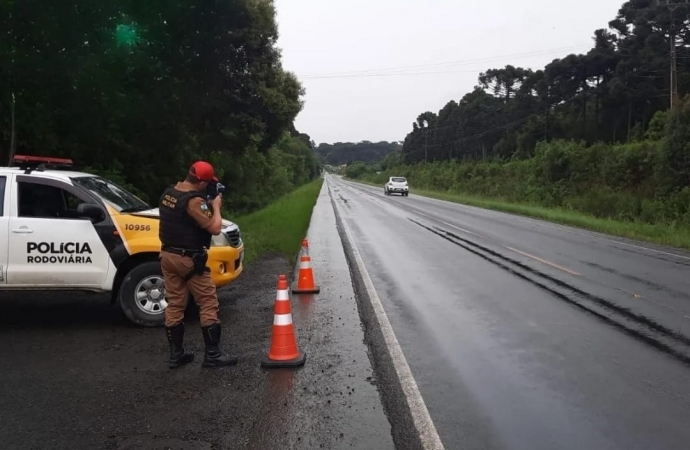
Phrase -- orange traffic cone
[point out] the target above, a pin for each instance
(305, 282)
(284, 351)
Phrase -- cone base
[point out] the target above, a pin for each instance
(286, 364)
(297, 290)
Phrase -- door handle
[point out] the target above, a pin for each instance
(22, 230)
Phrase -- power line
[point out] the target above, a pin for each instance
(395, 70)
(386, 74)
(401, 69)
(399, 74)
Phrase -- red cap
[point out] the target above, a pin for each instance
(203, 171)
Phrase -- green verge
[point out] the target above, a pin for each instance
(281, 226)
(657, 234)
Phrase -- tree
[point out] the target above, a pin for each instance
(676, 149)
(146, 86)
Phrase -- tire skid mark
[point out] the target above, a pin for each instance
(633, 324)
(343, 200)
(615, 242)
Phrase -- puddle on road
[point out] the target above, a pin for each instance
(276, 411)
(302, 306)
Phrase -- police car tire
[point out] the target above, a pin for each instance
(127, 303)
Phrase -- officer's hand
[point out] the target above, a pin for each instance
(217, 202)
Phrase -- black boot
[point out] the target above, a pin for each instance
(178, 356)
(214, 356)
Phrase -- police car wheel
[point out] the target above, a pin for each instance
(142, 295)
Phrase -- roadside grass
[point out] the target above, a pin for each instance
(281, 226)
(654, 233)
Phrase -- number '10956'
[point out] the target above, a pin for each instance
(137, 227)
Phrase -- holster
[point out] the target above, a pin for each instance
(199, 260)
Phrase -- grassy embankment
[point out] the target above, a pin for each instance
(281, 226)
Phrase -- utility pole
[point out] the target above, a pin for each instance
(546, 115)
(426, 142)
(673, 86)
(672, 5)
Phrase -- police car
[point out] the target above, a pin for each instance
(68, 230)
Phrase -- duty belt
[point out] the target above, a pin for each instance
(200, 258)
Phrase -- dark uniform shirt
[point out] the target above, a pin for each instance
(185, 217)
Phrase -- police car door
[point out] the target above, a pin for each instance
(48, 244)
(4, 226)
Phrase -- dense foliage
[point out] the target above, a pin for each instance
(138, 90)
(607, 95)
(643, 180)
(350, 152)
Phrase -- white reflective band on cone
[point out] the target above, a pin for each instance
(304, 264)
(282, 295)
(282, 319)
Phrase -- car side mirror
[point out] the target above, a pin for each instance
(92, 212)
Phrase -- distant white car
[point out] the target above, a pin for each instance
(396, 185)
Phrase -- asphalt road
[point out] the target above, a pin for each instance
(527, 335)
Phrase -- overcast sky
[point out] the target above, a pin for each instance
(370, 67)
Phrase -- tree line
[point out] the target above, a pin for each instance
(609, 94)
(644, 180)
(138, 90)
(341, 153)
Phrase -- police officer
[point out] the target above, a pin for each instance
(187, 223)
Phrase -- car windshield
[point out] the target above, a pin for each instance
(112, 194)
(398, 179)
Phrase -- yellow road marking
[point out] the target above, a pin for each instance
(536, 258)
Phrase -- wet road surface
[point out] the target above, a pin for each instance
(527, 335)
(75, 374)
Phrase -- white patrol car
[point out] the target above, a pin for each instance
(67, 230)
(396, 185)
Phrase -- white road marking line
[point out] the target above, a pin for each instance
(646, 248)
(420, 414)
(543, 261)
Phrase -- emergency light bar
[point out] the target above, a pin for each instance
(29, 163)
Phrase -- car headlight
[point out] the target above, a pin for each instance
(219, 241)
